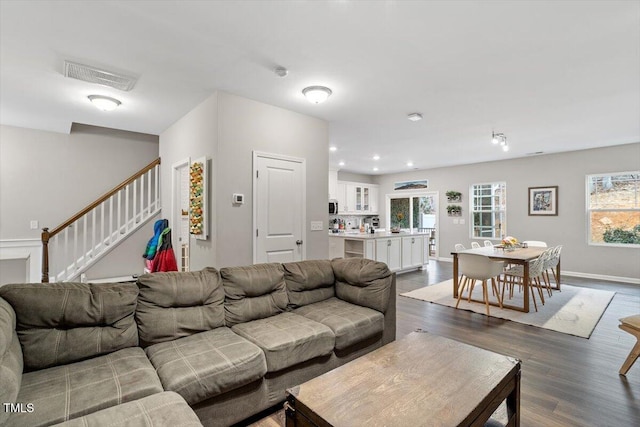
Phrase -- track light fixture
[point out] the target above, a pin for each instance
(500, 138)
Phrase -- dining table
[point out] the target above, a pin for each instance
(520, 255)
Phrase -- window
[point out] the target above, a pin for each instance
(489, 210)
(412, 212)
(613, 208)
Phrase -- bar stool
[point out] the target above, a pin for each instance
(631, 324)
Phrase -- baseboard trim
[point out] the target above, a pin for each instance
(621, 279)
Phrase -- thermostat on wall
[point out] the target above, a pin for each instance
(238, 199)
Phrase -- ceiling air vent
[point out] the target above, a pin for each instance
(95, 75)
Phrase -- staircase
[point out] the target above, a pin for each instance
(72, 247)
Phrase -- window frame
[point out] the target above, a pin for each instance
(410, 195)
(589, 210)
(472, 211)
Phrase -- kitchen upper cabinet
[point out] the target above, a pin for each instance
(341, 197)
(373, 199)
(333, 185)
(412, 252)
(389, 251)
(359, 199)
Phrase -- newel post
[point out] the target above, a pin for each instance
(45, 255)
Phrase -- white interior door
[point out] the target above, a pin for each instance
(179, 222)
(279, 200)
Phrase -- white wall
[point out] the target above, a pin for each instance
(194, 135)
(247, 125)
(229, 128)
(568, 172)
(355, 177)
(48, 176)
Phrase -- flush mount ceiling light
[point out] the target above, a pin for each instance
(500, 138)
(414, 117)
(316, 94)
(104, 103)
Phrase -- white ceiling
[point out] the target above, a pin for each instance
(552, 75)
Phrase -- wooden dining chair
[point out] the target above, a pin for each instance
(631, 324)
(474, 267)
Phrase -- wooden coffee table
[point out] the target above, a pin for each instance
(422, 379)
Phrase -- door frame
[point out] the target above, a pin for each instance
(303, 165)
(175, 185)
(415, 193)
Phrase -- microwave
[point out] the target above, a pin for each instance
(333, 207)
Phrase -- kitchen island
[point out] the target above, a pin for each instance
(402, 251)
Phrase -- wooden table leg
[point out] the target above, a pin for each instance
(513, 404)
(558, 275)
(455, 275)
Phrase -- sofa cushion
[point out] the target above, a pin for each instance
(287, 339)
(207, 364)
(350, 323)
(308, 282)
(69, 391)
(253, 292)
(363, 282)
(178, 304)
(65, 322)
(10, 358)
(162, 409)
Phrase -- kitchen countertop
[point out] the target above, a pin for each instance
(378, 235)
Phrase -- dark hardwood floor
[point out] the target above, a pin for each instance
(566, 380)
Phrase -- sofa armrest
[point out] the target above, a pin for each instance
(389, 332)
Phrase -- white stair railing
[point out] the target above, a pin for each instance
(74, 246)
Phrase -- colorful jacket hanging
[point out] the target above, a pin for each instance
(165, 259)
(152, 246)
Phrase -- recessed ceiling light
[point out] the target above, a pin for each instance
(333, 148)
(375, 169)
(316, 94)
(409, 164)
(104, 103)
(341, 164)
(376, 157)
(414, 117)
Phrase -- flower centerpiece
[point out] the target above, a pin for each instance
(509, 243)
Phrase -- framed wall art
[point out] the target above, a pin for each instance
(198, 199)
(543, 201)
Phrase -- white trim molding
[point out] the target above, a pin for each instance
(28, 249)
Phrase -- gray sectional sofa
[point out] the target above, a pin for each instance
(211, 347)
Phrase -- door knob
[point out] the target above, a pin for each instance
(298, 242)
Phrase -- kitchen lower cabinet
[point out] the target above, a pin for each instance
(389, 251)
(359, 248)
(336, 247)
(412, 252)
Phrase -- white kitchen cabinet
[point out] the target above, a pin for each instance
(412, 252)
(333, 185)
(389, 251)
(373, 199)
(341, 197)
(336, 247)
(359, 199)
(360, 248)
(425, 249)
(370, 249)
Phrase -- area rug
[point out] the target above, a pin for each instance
(573, 310)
